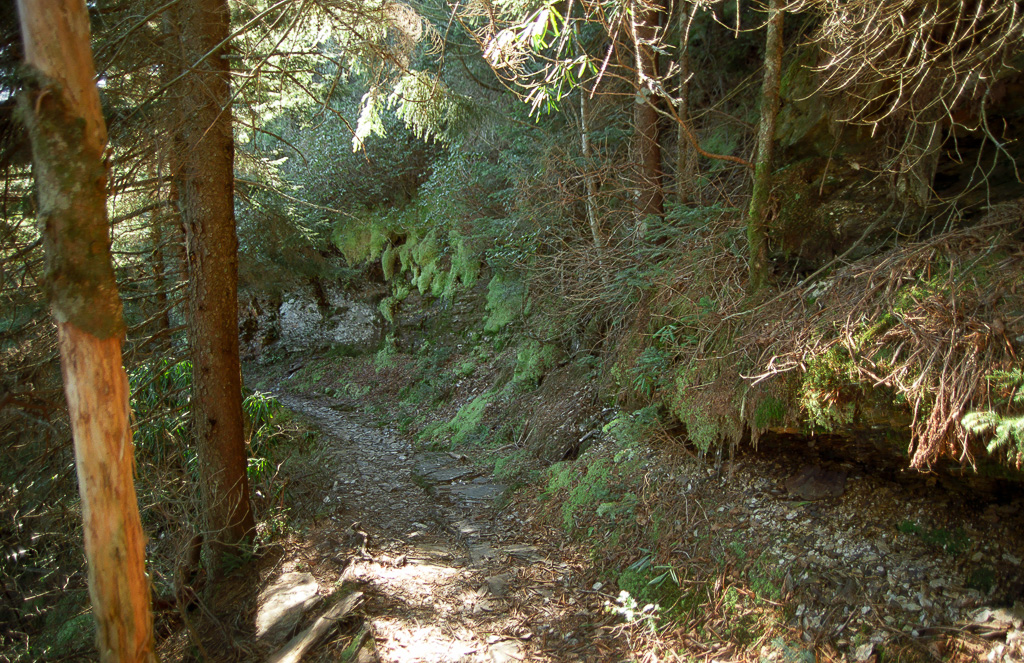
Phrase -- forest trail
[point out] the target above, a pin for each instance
(452, 569)
(448, 575)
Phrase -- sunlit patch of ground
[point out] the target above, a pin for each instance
(446, 576)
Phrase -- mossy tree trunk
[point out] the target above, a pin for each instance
(757, 235)
(205, 186)
(61, 107)
(646, 15)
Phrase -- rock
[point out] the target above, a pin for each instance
(506, 651)
(283, 604)
(475, 492)
(435, 467)
(307, 320)
(864, 652)
(480, 552)
(498, 585)
(816, 483)
(523, 551)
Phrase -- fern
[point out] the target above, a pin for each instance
(1006, 430)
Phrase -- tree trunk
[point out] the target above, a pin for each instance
(918, 161)
(686, 156)
(756, 229)
(160, 331)
(61, 108)
(206, 201)
(650, 199)
(590, 184)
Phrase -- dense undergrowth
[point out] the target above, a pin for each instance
(914, 340)
(46, 608)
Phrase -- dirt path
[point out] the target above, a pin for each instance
(448, 575)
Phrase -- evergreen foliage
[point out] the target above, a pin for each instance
(1004, 430)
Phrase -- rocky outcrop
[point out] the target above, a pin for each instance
(309, 317)
(306, 322)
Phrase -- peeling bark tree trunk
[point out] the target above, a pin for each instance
(756, 231)
(650, 198)
(61, 108)
(205, 183)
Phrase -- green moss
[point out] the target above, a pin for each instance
(873, 331)
(512, 469)
(533, 360)
(769, 411)
(647, 583)
(466, 264)
(827, 393)
(686, 403)
(389, 262)
(559, 477)
(629, 430)
(385, 356)
(506, 301)
(353, 239)
(425, 256)
(955, 543)
(467, 427)
(593, 488)
(441, 284)
(380, 240)
(388, 307)
(405, 252)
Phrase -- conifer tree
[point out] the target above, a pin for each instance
(61, 108)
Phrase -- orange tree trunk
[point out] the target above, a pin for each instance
(205, 182)
(61, 108)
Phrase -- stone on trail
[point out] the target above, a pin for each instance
(475, 492)
(436, 467)
(480, 552)
(816, 483)
(506, 651)
(498, 585)
(283, 604)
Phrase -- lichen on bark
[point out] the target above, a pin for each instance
(71, 181)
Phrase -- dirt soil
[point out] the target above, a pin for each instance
(447, 574)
